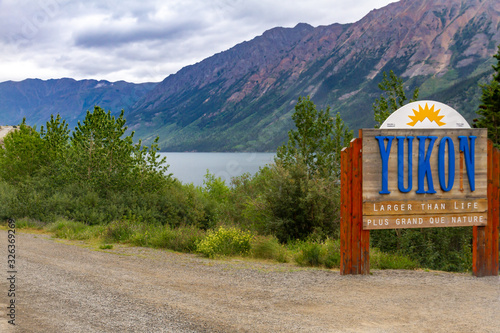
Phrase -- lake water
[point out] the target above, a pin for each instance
(192, 167)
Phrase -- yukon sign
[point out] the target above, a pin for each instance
(425, 167)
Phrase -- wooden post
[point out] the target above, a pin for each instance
(485, 239)
(354, 241)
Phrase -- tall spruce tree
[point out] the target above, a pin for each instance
(489, 109)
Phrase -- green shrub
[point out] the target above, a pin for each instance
(182, 239)
(287, 202)
(381, 260)
(332, 257)
(314, 253)
(29, 223)
(7, 197)
(268, 247)
(447, 249)
(225, 241)
(310, 254)
(185, 238)
(63, 228)
(121, 231)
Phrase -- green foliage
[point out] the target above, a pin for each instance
(121, 231)
(29, 224)
(63, 228)
(268, 247)
(298, 195)
(149, 171)
(313, 253)
(300, 205)
(8, 195)
(225, 242)
(96, 176)
(447, 249)
(215, 194)
(23, 154)
(316, 141)
(215, 188)
(392, 98)
(489, 109)
(183, 238)
(101, 156)
(381, 260)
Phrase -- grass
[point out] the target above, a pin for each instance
(322, 254)
(269, 248)
(318, 254)
(382, 260)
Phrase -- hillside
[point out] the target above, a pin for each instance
(242, 99)
(37, 99)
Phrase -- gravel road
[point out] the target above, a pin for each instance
(70, 287)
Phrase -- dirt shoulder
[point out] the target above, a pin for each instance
(64, 287)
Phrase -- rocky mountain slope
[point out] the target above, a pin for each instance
(242, 99)
(37, 99)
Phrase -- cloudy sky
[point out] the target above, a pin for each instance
(141, 41)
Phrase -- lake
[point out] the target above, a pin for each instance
(192, 167)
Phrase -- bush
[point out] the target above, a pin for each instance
(182, 239)
(7, 197)
(29, 223)
(122, 231)
(287, 202)
(268, 247)
(310, 254)
(332, 258)
(381, 260)
(447, 249)
(317, 254)
(63, 228)
(225, 242)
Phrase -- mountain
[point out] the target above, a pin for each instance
(243, 98)
(37, 99)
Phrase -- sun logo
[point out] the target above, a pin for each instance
(423, 113)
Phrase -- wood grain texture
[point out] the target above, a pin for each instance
(485, 239)
(354, 241)
(345, 215)
(357, 214)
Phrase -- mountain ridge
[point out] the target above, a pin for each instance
(242, 98)
(37, 99)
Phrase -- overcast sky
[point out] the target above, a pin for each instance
(144, 41)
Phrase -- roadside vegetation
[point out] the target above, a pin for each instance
(96, 184)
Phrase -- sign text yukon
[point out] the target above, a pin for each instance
(416, 178)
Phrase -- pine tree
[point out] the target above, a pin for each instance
(489, 109)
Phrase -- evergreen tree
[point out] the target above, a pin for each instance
(103, 157)
(489, 109)
(392, 98)
(22, 155)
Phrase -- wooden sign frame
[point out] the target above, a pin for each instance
(355, 242)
